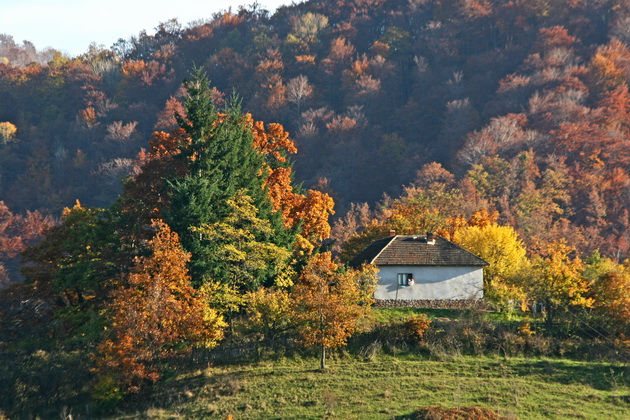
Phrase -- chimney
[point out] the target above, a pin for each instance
(392, 233)
(430, 238)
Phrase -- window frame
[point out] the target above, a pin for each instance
(403, 278)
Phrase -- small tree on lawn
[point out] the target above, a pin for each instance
(557, 280)
(268, 313)
(328, 303)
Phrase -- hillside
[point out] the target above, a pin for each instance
(370, 90)
(387, 388)
(181, 196)
(381, 379)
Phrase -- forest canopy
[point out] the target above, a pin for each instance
(370, 91)
(206, 183)
(411, 115)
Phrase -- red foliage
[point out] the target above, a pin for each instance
(554, 37)
(16, 233)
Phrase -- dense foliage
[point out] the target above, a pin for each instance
(530, 97)
(500, 125)
(194, 235)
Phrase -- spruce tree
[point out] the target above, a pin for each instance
(222, 161)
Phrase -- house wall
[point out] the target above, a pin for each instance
(431, 283)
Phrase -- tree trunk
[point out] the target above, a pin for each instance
(322, 365)
(549, 318)
(79, 295)
(323, 361)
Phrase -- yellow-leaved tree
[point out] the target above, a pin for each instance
(556, 278)
(241, 255)
(7, 132)
(610, 288)
(268, 312)
(506, 254)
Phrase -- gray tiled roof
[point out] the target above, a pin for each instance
(415, 250)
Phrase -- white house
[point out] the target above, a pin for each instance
(423, 267)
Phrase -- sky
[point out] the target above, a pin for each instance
(71, 25)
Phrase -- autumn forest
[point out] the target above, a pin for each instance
(183, 194)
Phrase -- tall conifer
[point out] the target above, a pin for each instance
(222, 160)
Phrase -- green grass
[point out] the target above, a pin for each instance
(391, 378)
(393, 315)
(393, 386)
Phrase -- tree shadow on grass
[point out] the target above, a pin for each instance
(600, 376)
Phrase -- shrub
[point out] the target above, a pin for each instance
(371, 350)
(538, 345)
(417, 326)
(511, 344)
(107, 393)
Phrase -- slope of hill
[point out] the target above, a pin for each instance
(529, 100)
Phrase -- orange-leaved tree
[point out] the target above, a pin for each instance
(157, 315)
(311, 210)
(328, 303)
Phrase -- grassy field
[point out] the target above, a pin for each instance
(388, 387)
(390, 315)
(382, 374)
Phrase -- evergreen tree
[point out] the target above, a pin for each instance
(241, 260)
(221, 161)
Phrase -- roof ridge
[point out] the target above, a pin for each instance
(384, 248)
(465, 250)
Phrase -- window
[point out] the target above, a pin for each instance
(404, 279)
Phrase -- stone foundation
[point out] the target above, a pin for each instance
(433, 304)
